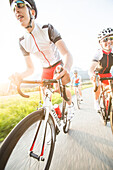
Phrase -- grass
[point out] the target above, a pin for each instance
(13, 109)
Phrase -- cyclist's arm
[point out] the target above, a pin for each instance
(30, 67)
(16, 77)
(67, 62)
(92, 68)
(80, 80)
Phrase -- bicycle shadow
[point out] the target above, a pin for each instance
(91, 143)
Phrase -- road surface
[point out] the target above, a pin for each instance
(88, 145)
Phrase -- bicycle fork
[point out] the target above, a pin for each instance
(32, 154)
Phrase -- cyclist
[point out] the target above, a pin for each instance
(76, 82)
(102, 60)
(44, 42)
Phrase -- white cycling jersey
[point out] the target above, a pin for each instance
(42, 45)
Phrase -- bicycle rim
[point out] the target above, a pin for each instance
(16, 147)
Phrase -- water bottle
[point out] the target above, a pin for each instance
(57, 110)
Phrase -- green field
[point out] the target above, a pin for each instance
(15, 108)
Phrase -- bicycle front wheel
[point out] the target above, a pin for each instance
(65, 120)
(15, 151)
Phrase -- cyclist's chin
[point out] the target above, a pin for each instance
(107, 48)
(23, 23)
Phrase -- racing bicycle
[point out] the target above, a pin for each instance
(106, 100)
(30, 145)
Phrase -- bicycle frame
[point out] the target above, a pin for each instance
(48, 109)
(107, 106)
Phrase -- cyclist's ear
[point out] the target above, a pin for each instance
(33, 13)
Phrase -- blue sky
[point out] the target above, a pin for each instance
(78, 21)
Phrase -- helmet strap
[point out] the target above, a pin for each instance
(30, 22)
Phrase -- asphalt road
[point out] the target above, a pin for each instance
(88, 145)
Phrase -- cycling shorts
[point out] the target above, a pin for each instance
(76, 84)
(105, 75)
(48, 73)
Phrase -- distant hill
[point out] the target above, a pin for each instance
(83, 73)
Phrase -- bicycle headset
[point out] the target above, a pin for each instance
(33, 6)
(105, 33)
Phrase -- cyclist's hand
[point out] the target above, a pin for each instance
(62, 73)
(93, 78)
(15, 78)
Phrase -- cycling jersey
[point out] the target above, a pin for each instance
(105, 60)
(41, 42)
(76, 80)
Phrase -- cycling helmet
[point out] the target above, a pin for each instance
(105, 33)
(32, 4)
(75, 71)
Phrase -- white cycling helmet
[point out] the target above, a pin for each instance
(105, 33)
(32, 4)
(75, 71)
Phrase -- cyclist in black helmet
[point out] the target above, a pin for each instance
(45, 42)
(102, 61)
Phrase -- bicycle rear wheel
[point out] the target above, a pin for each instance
(14, 153)
(66, 121)
(78, 101)
(102, 109)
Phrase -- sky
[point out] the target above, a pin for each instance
(78, 21)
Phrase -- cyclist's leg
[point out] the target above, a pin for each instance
(49, 73)
(75, 90)
(96, 98)
(80, 92)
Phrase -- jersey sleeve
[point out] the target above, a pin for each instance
(54, 35)
(24, 52)
(97, 56)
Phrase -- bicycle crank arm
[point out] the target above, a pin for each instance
(36, 156)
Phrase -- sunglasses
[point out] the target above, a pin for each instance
(19, 4)
(107, 38)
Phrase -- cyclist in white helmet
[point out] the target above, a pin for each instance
(76, 82)
(45, 42)
(102, 60)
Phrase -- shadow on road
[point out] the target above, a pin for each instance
(94, 144)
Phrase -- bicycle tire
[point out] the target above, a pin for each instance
(66, 122)
(103, 109)
(78, 100)
(21, 138)
(78, 103)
